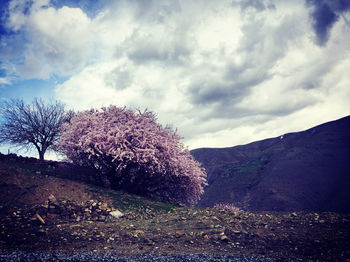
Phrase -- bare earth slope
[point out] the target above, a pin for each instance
(303, 171)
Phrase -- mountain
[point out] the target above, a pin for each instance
(305, 171)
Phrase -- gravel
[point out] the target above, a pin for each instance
(19, 256)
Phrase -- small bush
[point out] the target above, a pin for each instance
(230, 207)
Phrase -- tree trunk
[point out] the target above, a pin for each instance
(113, 180)
(41, 155)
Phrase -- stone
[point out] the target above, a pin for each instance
(53, 199)
(103, 206)
(179, 234)
(102, 218)
(116, 214)
(139, 233)
(224, 238)
(39, 218)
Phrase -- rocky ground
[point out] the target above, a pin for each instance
(89, 227)
(65, 222)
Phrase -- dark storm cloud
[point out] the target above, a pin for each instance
(260, 48)
(324, 15)
(208, 93)
(223, 98)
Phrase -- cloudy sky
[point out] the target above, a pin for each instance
(222, 72)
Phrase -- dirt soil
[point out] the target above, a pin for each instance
(151, 227)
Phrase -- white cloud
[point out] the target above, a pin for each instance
(223, 72)
(59, 41)
(4, 81)
(88, 88)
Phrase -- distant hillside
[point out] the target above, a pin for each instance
(308, 170)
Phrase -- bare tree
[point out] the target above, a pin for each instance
(36, 124)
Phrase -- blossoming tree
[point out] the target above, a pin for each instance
(134, 152)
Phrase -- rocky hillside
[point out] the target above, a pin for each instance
(50, 211)
(308, 170)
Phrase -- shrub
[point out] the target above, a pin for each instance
(226, 206)
(134, 152)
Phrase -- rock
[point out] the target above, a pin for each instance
(236, 213)
(53, 199)
(102, 218)
(224, 238)
(39, 218)
(138, 233)
(103, 207)
(179, 234)
(229, 231)
(148, 242)
(111, 239)
(116, 214)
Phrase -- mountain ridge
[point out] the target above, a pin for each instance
(307, 170)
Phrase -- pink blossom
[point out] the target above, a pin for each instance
(134, 152)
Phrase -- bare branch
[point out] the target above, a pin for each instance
(36, 124)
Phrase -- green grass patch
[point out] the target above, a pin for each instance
(125, 201)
